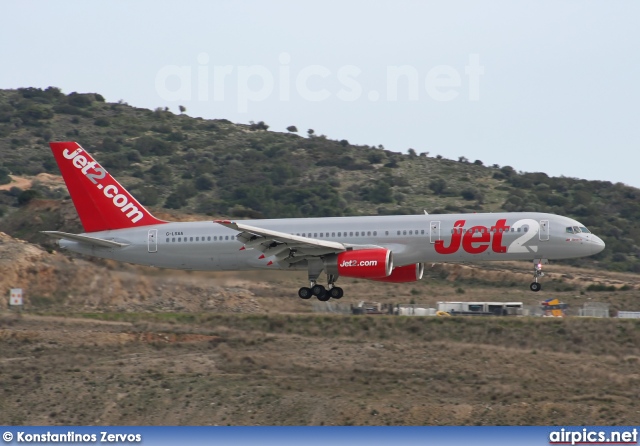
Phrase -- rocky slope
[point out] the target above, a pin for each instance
(53, 280)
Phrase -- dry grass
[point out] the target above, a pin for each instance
(311, 369)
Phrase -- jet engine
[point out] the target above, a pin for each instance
(361, 264)
(406, 273)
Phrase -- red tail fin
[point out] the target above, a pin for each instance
(102, 203)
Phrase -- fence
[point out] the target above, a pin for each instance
(594, 309)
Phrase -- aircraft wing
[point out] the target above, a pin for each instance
(85, 239)
(284, 246)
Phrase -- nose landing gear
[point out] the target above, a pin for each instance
(537, 272)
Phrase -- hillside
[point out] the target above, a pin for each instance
(214, 167)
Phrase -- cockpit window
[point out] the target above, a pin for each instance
(577, 230)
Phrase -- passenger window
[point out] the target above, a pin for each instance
(209, 238)
(179, 239)
(197, 239)
(404, 232)
(398, 232)
(173, 239)
(190, 239)
(167, 239)
(422, 232)
(386, 232)
(315, 234)
(375, 233)
(410, 232)
(351, 234)
(368, 232)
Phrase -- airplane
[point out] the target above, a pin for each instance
(378, 248)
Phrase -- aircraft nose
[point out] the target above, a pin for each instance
(597, 245)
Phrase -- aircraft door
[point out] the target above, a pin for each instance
(544, 230)
(434, 232)
(152, 240)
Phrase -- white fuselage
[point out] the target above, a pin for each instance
(207, 245)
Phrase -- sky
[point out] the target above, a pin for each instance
(546, 86)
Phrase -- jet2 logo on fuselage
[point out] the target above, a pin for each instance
(477, 239)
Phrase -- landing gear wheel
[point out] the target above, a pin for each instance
(305, 293)
(336, 292)
(318, 290)
(324, 297)
(535, 286)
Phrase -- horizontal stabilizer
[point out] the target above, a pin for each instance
(85, 239)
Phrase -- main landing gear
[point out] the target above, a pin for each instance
(537, 272)
(320, 292)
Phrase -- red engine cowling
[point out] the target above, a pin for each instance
(365, 263)
(407, 273)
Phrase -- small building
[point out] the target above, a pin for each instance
(629, 314)
(372, 308)
(414, 310)
(481, 308)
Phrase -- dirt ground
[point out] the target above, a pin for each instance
(314, 369)
(103, 343)
(27, 182)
